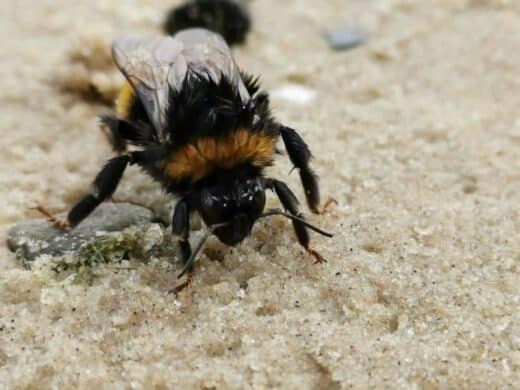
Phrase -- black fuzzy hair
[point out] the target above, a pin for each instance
(203, 107)
(225, 17)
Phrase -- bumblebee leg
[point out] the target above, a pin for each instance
(110, 126)
(176, 290)
(56, 221)
(300, 155)
(290, 203)
(181, 230)
(329, 202)
(119, 132)
(103, 187)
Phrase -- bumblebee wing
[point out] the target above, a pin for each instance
(154, 65)
(146, 63)
(208, 55)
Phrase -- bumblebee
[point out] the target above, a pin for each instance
(200, 127)
(226, 17)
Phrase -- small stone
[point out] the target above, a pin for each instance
(153, 236)
(294, 93)
(32, 238)
(345, 38)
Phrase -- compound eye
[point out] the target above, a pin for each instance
(214, 201)
(211, 207)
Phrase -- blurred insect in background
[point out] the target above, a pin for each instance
(201, 128)
(228, 18)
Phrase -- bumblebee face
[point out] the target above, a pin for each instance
(236, 205)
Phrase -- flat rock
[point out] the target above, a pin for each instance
(343, 38)
(32, 238)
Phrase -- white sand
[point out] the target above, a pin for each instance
(417, 135)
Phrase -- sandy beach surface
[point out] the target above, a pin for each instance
(416, 134)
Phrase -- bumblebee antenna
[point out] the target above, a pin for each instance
(268, 213)
(199, 246)
(272, 212)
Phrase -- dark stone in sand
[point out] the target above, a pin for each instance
(32, 238)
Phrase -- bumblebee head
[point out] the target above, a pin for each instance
(236, 204)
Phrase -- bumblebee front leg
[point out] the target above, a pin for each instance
(181, 230)
(300, 156)
(103, 187)
(290, 203)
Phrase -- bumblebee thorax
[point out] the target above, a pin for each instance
(203, 156)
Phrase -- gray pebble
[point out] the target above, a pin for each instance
(32, 238)
(345, 38)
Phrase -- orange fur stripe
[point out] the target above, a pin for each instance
(124, 100)
(197, 160)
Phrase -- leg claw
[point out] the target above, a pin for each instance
(180, 287)
(319, 259)
(58, 222)
(323, 209)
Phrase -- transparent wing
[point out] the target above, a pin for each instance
(207, 53)
(153, 65)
